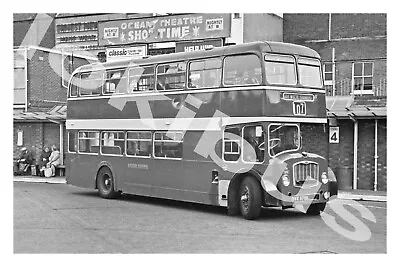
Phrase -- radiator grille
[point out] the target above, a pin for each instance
(305, 171)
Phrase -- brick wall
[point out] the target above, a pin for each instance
(382, 151)
(36, 135)
(44, 83)
(314, 139)
(22, 27)
(298, 28)
(341, 155)
(358, 25)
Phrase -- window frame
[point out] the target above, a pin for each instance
(98, 139)
(101, 143)
(153, 75)
(296, 71)
(242, 143)
(330, 82)
(127, 139)
(69, 142)
(175, 89)
(285, 151)
(80, 83)
(363, 76)
(239, 85)
(304, 64)
(167, 141)
(239, 143)
(125, 70)
(200, 60)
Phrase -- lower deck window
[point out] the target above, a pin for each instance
(88, 142)
(72, 145)
(112, 143)
(168, 145)
(231, 148)
(138, 144)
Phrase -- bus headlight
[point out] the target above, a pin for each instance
(324, 178)
(285, 178)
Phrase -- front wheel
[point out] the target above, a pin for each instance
(250, 198)
(316, 209)
(105, 184)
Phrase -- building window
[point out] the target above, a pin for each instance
(88, 142)
(362, 77)
(205, 73)
(168, 145)
(112, 143)
(19, 77)
(328, 73)
(138, 144)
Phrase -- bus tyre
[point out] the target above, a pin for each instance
(105, 184)
(316, 209)
(250, 198)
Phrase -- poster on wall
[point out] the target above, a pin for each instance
(164, 29)
(124, 53)
(197, 45)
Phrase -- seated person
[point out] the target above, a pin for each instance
(25, 160)
(54, 160)
(256, 143)
(44, 159)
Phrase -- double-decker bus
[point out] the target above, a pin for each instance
(204, 127)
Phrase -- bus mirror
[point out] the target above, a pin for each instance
(258, 131)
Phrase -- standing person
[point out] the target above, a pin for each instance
(54, 160)
(24, 161)
(44, 159)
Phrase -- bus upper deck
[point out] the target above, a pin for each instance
(262, 79)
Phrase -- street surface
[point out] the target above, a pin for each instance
(59, 218)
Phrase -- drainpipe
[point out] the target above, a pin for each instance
(62, 143)
(376, 156)
(26, 78)
(355, 151)
(333, 72)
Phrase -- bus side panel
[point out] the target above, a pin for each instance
(82, 169)
(134, 175)
(168, 178)
(198, 166)
(243, 103)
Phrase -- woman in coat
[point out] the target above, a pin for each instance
(54, 160)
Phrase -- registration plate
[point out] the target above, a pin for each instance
(300, 198)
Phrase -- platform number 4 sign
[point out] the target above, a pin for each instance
(334, 135)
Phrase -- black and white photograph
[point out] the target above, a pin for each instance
(199, 133)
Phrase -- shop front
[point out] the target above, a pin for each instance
(165, 34)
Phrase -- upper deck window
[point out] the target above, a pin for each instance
(310, 72)
(242, 70)
(205, 73)
(280, 69)
(141, 78)
(171, 76)
(115, 81)
(90, 83)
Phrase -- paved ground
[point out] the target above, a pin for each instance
(59, 218)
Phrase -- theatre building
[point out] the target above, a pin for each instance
(354, 57)
(127, 38)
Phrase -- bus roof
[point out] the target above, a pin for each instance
(255, 47)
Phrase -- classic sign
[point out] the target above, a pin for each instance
(164, 29)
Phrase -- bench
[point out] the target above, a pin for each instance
(60, 170)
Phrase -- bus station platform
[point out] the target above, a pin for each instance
(362, 195)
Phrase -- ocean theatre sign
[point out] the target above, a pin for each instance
(164, 29)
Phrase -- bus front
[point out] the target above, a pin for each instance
(297, 140)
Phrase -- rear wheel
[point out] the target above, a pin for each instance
(316, 209)
(105, 184)
(250, 198)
